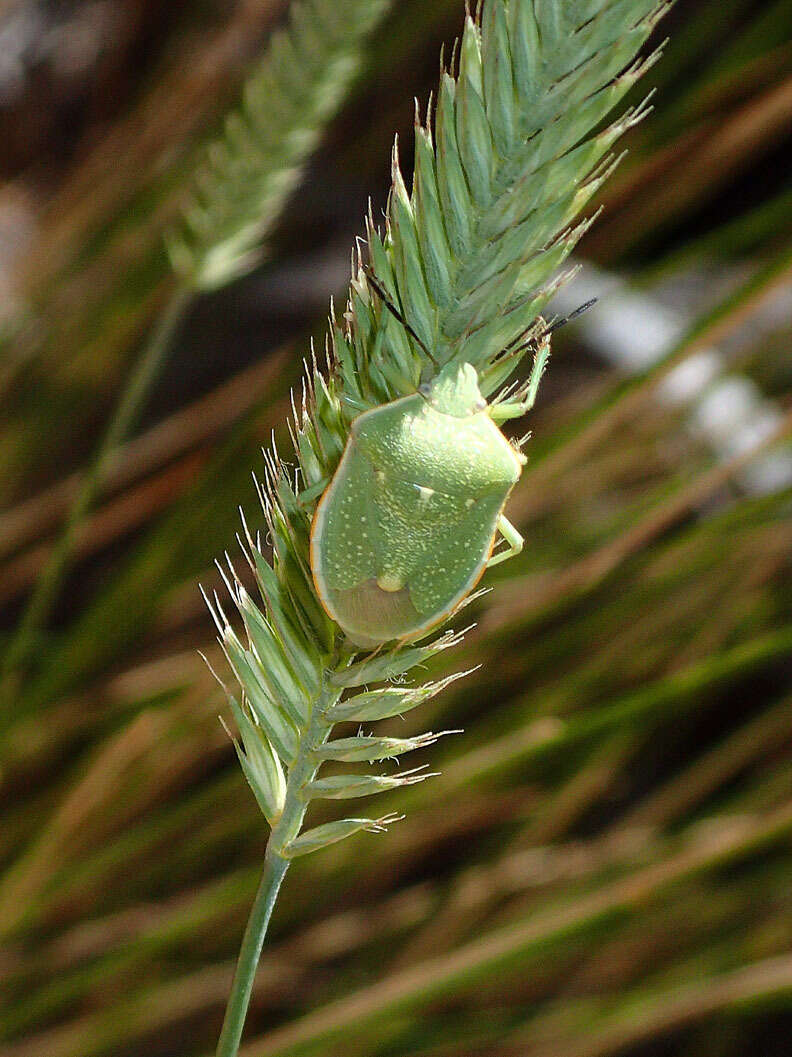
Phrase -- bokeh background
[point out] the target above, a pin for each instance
(604, 866)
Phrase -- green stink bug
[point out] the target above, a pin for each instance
(407, 526)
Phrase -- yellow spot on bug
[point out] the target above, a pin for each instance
(390, 582)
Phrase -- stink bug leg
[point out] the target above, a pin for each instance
(513, 539)
(517, 408)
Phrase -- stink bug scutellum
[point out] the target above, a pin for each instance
(407, 526)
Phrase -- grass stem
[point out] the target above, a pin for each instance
(275, 867)
(286, 828)
(144, 374)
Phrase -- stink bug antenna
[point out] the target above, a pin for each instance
(568, 319)
(377, 286)
(524, 342)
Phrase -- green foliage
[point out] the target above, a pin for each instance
(602, 867)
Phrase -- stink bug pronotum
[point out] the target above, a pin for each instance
(408, 524)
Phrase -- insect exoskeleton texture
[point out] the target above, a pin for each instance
(407, 525)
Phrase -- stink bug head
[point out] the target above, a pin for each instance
(455, 391)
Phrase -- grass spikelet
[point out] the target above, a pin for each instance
(467, 260)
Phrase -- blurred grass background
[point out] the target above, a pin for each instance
(604, 866)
